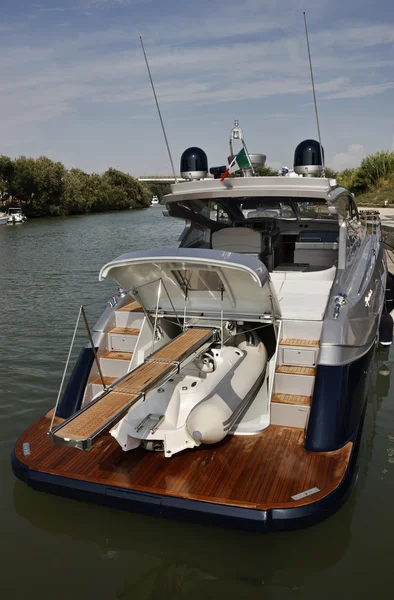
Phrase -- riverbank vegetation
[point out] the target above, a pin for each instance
(372, 182)
(43, 187)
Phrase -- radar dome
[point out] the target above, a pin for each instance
(309, 158)
(194, 163)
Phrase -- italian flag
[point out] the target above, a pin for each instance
(241, 161)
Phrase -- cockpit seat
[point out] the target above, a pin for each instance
(238, 239)
(247, 241)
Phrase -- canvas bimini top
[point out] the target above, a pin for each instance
(198, 280)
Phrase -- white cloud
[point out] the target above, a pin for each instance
(228, 57)
(351, 158)
(360, 91)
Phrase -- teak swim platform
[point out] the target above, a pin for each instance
(246, 474)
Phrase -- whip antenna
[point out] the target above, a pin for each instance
(314, 93)
(158, 110)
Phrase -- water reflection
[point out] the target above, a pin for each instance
(183, 560)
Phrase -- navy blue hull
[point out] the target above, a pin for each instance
(212, 513)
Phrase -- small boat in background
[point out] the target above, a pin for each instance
(3, 218)
(15, 216)
(155, 200)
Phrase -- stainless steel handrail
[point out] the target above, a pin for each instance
(82, 312)
(372, 251)
(65, 369)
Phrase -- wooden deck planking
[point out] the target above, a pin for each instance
(96, 415)
(261, 471)
(296, 370)
(117, 355)
(175, 349)
(292, 399)
(143, 376)
(297, 342)
(131, 306)
(107, 380)
(125, 331)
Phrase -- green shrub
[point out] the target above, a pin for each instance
(347, 178)
(267, 172)
(373, 168)
(330, 173)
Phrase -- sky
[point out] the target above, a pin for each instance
(74, 85)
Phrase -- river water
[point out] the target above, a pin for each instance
(58, 548)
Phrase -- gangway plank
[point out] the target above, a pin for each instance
(81, 429)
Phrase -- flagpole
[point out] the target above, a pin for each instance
(227, 171)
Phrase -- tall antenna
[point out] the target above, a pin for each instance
(158, 110)
(314, 93)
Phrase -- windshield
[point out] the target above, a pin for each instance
(257, 208)
(313, 209)
(228, 211)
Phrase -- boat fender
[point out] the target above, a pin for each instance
(389, 295)
(386, 327)
(73, 395)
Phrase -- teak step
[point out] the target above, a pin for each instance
(114, 354)
(292, 399)
(296, 370)
(107, 381)
(91, 421)
(296, 342)
(130, 307)
(125, 331)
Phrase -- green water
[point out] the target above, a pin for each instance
(62, 549)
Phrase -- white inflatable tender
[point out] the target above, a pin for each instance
(198, 406)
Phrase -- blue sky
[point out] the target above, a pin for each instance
(74, 85)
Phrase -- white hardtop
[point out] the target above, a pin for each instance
(198, 281)
(302, 187)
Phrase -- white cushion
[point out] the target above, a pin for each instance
(323, 275)
(315, 256)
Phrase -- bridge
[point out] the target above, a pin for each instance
(159, 178)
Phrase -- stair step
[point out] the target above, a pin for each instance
(292, 399)
(115, 355)
(130, 307)
(296, 370)
(297, 342)
(125, 331)
(107, 380)
(289, 415)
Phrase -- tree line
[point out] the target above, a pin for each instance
(43, 187)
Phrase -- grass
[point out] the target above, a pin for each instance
(377, 195)
(372, 181)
